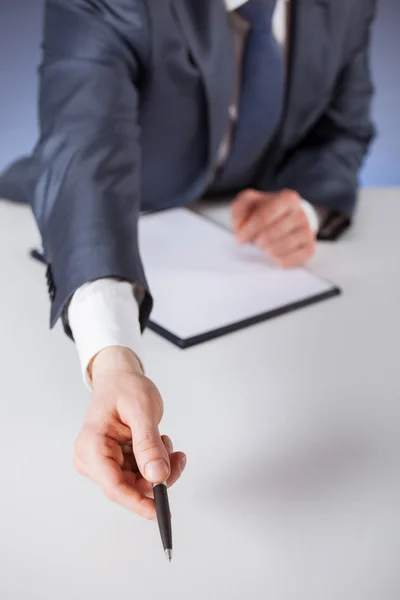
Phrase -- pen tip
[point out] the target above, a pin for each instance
(168, 554)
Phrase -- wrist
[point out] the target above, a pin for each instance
(113, 362)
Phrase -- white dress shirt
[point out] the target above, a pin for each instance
(105, 313)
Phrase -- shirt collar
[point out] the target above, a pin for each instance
(232, 5)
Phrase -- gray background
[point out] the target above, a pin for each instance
(20, 32)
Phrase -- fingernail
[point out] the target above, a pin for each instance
(182, 464)
(156, 470)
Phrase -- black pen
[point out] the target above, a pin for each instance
(163, 517)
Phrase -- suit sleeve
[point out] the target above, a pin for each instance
(87, 198)
(324, 168)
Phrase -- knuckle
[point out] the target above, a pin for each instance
(97, 445)
(86, 439)
(310, 245)
(276, 200)
(266, 241)
(79, 447)
(249, 192)
(276, 208)
(78, 467)
(274, 246)
(141, 506)
(303, 219)
(291, 196)
(243, 195)
(260, 240)
(110, 493)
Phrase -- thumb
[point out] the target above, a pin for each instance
(150, 453)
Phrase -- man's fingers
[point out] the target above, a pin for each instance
(298, 257)
(119, 488)
(91, 447)
(115, 469)
(242, 207)
(100, 459)
(168, 443)
(80, 467)
(251, 229)
(279, 230)
(130, 463)
(284, 246)
(178, 465)
(269, 210)
(265, 216)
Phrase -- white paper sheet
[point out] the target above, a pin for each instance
(202, 281)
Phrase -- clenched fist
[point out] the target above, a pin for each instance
(276, 223)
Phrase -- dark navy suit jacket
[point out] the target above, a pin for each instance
(134, 98)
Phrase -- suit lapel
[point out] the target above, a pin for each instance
(308, 55)
(206, 29)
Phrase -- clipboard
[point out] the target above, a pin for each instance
(205, 286)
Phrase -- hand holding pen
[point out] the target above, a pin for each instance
(119, 446)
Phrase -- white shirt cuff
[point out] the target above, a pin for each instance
(312, 216)
(101, 314)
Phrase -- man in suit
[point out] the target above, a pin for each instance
(148, 104)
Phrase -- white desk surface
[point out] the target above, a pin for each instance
(292, 489)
